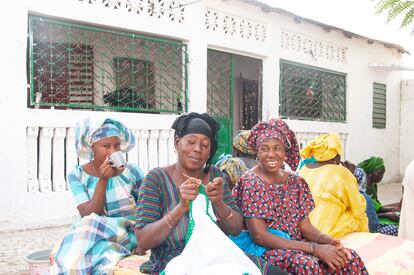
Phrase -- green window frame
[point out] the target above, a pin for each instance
(379, 106)
(82, 66)
(311, 93)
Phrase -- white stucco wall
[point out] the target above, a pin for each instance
(22, 209)
(407, 124)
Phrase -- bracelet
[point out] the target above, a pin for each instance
(312, 248)
(168, 222)
(227, 216)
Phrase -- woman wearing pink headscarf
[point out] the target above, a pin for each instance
(276, 205)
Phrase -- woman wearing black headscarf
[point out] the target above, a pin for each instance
(165, 193)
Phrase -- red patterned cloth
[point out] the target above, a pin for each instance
(283, 207)
(277, 129)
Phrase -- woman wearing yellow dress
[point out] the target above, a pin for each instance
(340, 208)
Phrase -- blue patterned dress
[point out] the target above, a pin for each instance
(96, 243)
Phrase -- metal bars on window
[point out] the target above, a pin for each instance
(81, 66)
(219, 83)
(379, 107)
(311, 93)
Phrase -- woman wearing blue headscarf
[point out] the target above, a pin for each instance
(106, 200)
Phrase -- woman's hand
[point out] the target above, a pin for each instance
(106, 171)
(188, 192)
(334, 257)
(337, 243)
(215, 190)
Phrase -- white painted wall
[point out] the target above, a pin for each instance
(407, 124)
(22, 209)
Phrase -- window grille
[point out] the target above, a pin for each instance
(379, 108)
(82, 66)
(311, 93)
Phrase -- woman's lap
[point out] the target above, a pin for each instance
(299, 262)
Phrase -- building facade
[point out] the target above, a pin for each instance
(147, 61)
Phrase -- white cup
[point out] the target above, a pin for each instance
(117, 160)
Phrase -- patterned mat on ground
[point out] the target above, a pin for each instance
(130, 265)
(383, 254)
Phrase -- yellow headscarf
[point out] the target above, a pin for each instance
(323, 148)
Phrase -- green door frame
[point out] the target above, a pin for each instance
(226, 130)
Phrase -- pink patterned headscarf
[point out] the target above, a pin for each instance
(277, 129)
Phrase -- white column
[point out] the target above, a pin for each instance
(270, 82)
(143, 150)
(70, 154)
(153, 149)
(197, 56)
(172, 155)
(31, 143)
(58, 177)
(163, 147)
(45, 159)
(133, 154)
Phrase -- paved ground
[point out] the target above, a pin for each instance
(15, 246)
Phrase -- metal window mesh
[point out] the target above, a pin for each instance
(219, 83)
(81, 66)
(310, 93)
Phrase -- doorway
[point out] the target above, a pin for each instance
(233, 94)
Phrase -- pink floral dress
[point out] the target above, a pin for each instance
(283, 207)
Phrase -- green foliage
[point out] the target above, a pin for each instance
(395, 8)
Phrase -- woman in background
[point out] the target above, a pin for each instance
(374, 168)
(233, 167)
(340, 208)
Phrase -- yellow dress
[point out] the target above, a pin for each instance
(340, 208)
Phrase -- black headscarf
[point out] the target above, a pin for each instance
(195, 123)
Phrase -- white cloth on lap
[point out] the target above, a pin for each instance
(209, 250)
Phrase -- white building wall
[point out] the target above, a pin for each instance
(19, 208)
(407, 124)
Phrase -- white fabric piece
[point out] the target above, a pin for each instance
(406, 227)
(209, 250)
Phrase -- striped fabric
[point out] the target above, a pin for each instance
(96, 243)
(158, 195)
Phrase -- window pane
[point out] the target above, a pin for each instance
(310, 93)
(379, 109)
(82, 66)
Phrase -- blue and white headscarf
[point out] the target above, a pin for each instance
(88, 133)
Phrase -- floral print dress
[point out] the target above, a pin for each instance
(283, 207)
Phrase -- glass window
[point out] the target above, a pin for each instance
(311, 93)
(82, 66)
(379, 108)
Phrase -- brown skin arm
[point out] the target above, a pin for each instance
(231, 221)
(97, 203)
(333, 256)
(153, 234)
(390, 216)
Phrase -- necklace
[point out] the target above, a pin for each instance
(94, 169)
